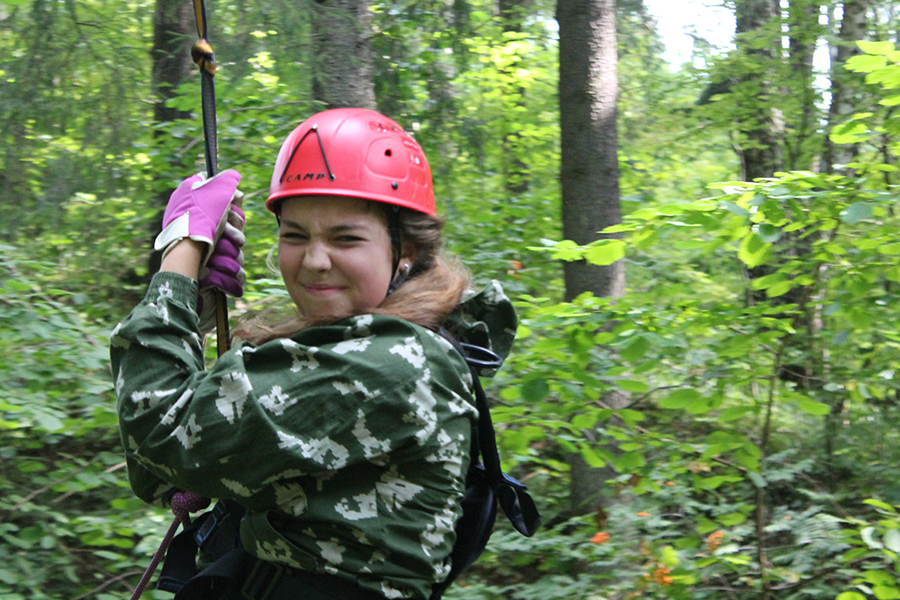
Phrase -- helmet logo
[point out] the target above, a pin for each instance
(306, 176)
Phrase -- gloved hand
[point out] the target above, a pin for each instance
(224, 269)
(198, 209)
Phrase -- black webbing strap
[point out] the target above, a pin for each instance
(512, 496)
(203, 55)
(486, 483)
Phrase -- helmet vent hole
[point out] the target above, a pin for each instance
(388, 152)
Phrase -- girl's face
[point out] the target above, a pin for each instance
(334, 253)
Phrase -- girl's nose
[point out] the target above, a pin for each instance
(316, 257)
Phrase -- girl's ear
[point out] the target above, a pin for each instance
(408, 253)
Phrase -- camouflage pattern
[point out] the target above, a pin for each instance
(348, 444)
(486, 319)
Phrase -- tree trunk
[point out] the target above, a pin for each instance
(174, 32)
(512, 14)
(345, 69)
(589, 173)
(853, 27)
(759, 120)
(34, 73)
(804, 32)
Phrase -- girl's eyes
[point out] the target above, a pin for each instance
(295, 237)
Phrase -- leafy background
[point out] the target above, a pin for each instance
(755, 455)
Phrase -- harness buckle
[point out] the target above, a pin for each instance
(262, 580)
(206, 528)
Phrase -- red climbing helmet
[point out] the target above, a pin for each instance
(352, 152)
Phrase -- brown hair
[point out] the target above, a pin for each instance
(433, 287)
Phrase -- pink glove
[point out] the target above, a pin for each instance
(225, 268)
(198, 209)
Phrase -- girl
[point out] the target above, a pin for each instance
(344, 432)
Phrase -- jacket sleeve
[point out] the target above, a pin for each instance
(314, 405)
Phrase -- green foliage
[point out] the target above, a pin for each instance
(712, 398)
(743, 391)
(69, 524)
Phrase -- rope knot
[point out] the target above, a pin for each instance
(184, 503)
(203, 56)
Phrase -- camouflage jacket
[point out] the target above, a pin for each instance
(347, 444)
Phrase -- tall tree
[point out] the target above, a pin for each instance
(844, 88)
(173, 35)
(345, 71)
(589, 170)
(174, 32)
(512, 14)
(760, 121)
(853, 27)
(803, 34)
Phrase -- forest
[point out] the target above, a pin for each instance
(704, 394)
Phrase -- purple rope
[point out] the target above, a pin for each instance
(183, 504)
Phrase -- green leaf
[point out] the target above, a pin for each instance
(757, 479)
(811, 407)
(875, 47)
(867, 535)
(687, 399)
(753, 251)
(604, 252)
(854, 554)
(891, 540)
(535, 390)
(591, 457)
(732, 519)
(585, 420)
(629, 461)
(879, 504)
(885, 592)
(850, 596)
(669, 557)
(711, 483)
(856, 212)
(779, 289)
(849, 133)
(735, 412)
(631, 385)
(865, 63)
(635, 350)
(769, 233)
(878, 577)
(732, 207)
(630, 417)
